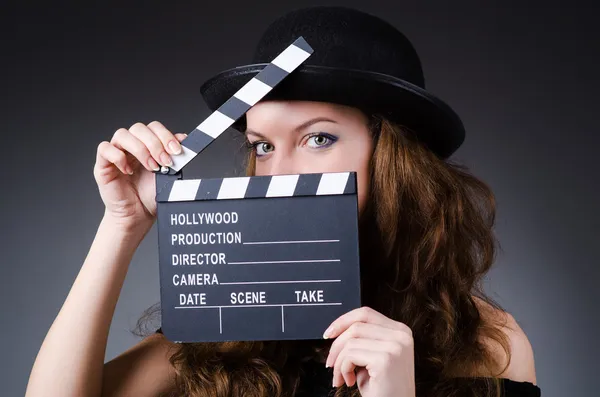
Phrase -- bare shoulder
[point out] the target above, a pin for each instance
(521, 366)
(142, 370)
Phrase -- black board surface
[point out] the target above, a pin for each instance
(257, 258)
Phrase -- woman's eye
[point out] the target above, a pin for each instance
(263, 148)
(321, 140)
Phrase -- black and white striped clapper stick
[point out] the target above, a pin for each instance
(264, 186)
(235, 107)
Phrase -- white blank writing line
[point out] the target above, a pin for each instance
(293, 242)
(277, 305)
(282, 282)
(303, 261)
(282, 324)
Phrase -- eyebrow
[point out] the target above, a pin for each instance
(302, 126)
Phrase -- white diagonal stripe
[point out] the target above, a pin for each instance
(333, 183)
(290, 58)
(282, 185)
(252, 91)
(215, 124)
(184, 190)
(233, 188)
(181, 159)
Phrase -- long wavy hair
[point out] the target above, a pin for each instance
(426, 242)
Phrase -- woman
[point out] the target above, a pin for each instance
(425, 328)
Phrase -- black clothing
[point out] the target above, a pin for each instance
(316, 382)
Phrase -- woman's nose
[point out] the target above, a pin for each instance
(283, 164)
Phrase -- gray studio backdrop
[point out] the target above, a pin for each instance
(523, 77)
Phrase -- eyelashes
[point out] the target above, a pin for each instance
(318, 141)
(261, 146)
(252, 146)
(329, 139)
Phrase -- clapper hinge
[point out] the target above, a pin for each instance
(162, 180)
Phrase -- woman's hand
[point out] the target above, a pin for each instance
(124, 172)
(374, 351)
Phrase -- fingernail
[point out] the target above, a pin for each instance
(327, 332)
(129, 170)
(166, 159)
(175, 147)
(153, 164)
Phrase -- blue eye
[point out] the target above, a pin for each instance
(320, 140)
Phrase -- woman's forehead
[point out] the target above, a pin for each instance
(267, 114)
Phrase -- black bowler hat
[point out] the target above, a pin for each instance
(359, 60)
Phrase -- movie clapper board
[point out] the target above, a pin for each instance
(259, 257)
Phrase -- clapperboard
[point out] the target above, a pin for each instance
(260, 257)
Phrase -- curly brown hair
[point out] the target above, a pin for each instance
(426, 241)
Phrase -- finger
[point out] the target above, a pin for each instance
(363, 314)
(152, 142)
(366, 331)
(352, 358)
(376, 346)
(181, 136)
(124, 140)
(167, 138)
(108, 155)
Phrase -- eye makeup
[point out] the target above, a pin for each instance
(331, 139)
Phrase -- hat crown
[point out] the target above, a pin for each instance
(344, 38)
(359, 60)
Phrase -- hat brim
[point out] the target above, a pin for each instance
(433, 121)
